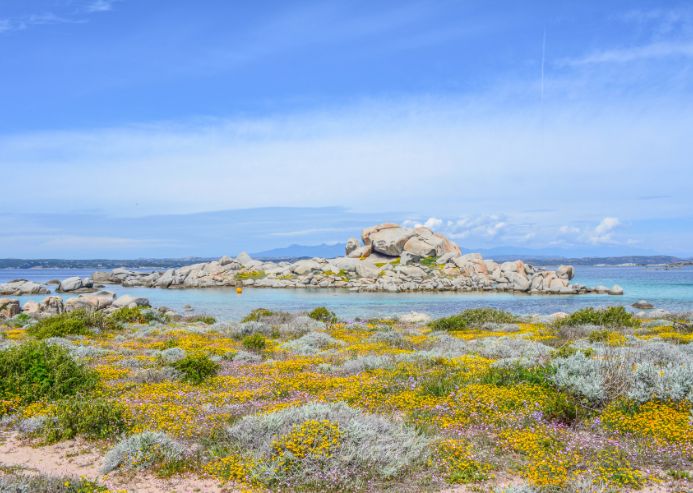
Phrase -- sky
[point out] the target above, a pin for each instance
(176, 128)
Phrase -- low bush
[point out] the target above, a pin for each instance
(136, 314)
(322, 314)
(311, 343)
(20, 320)
(251, 274)
(39, 483)
(78, 322)
(148, 450)
(171, 355)
(34, 371)
(201, 318)
(246, 357)
(156, 375)
(257, 314)
(613, 316)
(472, 318)
(580, 375)
(515, 374)
(95, 418)
(428, 261)
(196, 368)
(254, 342)
(331, 446)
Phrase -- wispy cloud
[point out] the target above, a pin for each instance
(99, 6)
(650, 51)
(67, 15)
(308, 232)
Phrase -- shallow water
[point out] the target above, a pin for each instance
(668, 289)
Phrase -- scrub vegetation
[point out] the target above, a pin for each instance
(597, 401)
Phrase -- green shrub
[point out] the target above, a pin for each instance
(428, 261)
(78, 322)
(35, 370)
(254, 342)
(322, 314)
(441, 384)
(20, 320)
(508, 376)
(598, 336)
(196, 368)
(131, 315)
(251, 274)
(203, 319)
(95, 418)
(472, 318)
(613, 316)
(257, 314)
(568, 350)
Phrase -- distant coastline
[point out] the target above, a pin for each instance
(158, 263)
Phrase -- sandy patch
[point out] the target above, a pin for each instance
(80, 459)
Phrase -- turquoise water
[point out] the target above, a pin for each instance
(668, 289)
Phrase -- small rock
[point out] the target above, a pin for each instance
(9, 308)
(616, 290)
(130, 301)
(351, 245)
(643, 305)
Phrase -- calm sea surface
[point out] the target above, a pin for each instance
(668, 289)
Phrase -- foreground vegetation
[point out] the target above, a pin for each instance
(597, 401)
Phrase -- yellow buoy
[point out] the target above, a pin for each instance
(239, 290)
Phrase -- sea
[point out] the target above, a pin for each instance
(668, 289)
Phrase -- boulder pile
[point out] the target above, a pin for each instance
(388, 257)
(54, 305)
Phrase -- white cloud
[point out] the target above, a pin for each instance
(431, 223)
(99, 6)
(457, 162)
(603, 232)
(307, 232)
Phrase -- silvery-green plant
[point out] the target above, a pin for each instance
(40, 483)
(142, 451)
(368, 362)
(301, 324)
(311, 343)
(580, 375)
(172, 354)
(156, 375)
(370, 446)
(669, 382)
(246, 357)
(389, 337)
(247, 328)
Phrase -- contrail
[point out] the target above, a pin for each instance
(543, 58)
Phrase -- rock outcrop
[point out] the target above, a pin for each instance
(76, 285)
(9, 308)
(22, 287)
(391, 258)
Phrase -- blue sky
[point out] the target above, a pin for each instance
(164, 128)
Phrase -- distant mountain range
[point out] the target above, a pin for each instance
(324, 250)
(100, 264)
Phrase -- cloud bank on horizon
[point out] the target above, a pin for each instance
(548, 127)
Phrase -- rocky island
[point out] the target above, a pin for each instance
(388, 257)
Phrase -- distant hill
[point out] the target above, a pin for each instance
(295, 251)
(100, 264)
(627, 260)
